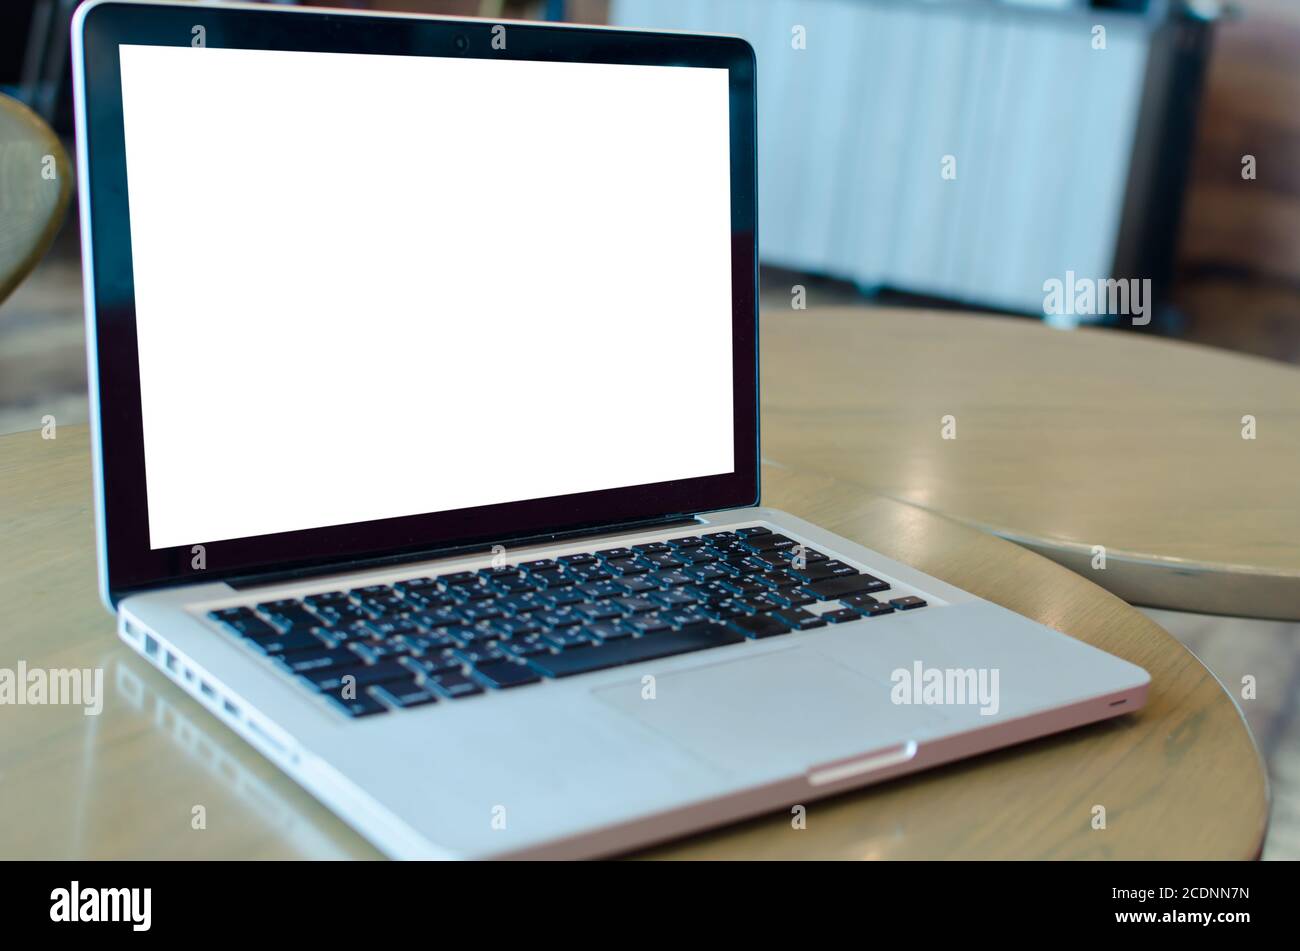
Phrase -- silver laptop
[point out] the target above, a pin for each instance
(424, 362)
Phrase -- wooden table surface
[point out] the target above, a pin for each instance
(1065, 440)
(1179, 779)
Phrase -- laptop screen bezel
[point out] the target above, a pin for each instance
(128, 563)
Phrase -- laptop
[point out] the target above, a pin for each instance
(424, 372)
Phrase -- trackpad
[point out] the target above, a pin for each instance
(793, 709)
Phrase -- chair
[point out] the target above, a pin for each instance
(35, 188)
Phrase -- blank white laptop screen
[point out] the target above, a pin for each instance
(375, 286)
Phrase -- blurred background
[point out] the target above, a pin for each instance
(1156, 140)
(1147, 139)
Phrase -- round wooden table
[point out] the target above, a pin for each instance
(1179, 779)
(1076, 444)
(35, 188)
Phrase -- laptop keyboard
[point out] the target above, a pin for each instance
(383, 647)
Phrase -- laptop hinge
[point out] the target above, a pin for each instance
(243, 582)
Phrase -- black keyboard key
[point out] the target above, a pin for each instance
(402, 693)
(796, 596)
(512, 584)
(315, 601)
(718, 539)
(563, 598)
(711, 591)
(478, 613)
(457, 578)
(432, 665)
(647, 624)
(822, 570)
(737, 549)
(388, 626)
(614, 553)
(799, 619)
(589, 573)
(660, 560)
(379, 599)
(427, 599)
(674, 598)
(684, 617)
(669, 579)
(330, 678)
(503, 674)
(452, 684)
(411, 585)
(634, 650)
(599, 611)
(687, 541)
(470, 593)
(291, 618)
(634, 605)
(282, 604)
(304, 661)
(908, 603)
(244, 622)
(359, 704)
(379, 673)
(568, 638)
(337, 678)
(752, 567)
(842, 616)
(477, 655)
(392, 603)
(763, 603)
(338, 613)
(626, 568)
(373, 651)
(652, 547)
(475, 636)
(553, 578)
(344, 634)
(564, 617)
(581, 558)
(428, 643)
(449, 631)
(638, 585)
(608, 630)
(287, 643)
(520, 604)
(600, 590)
(724, 610)
(832, 589)
(758, 625)
(771, 543)
(875, 610)
(707, 573)
(754, 531)
(539, 564)
(743, 586)
(779, 579)
(438, 617)
(523, 647)
(506, 628)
